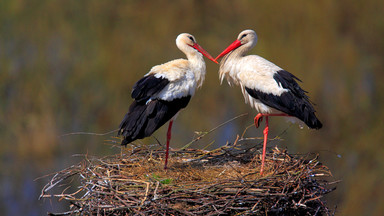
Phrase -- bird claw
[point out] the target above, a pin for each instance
(258, 119)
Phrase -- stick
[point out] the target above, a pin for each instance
(88, 133)
(213, 129)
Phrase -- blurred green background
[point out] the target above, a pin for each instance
(69, 66)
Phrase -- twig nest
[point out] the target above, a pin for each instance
(222, 181)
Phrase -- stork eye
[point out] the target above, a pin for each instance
(242, 36)
(191, 38)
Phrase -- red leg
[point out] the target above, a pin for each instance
(265, 132)
(260, 115)
(168, 139)
(257, 120)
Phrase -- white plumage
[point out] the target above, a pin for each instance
(183, 79)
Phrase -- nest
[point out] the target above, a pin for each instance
(198, 182)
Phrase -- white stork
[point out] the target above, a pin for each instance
(269, 89)
(163, 92)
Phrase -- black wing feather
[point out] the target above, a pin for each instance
(144, 118)
(147, 87)
(293, 102)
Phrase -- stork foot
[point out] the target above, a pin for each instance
(258, 119)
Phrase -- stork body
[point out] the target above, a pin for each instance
(269, 89)
(163, 92)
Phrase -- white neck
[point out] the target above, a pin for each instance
(196, 60)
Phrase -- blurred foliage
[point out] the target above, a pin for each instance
(69, 66)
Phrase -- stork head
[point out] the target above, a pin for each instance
(246, 39)
(188, 44)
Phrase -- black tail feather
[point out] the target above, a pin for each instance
(311, 120)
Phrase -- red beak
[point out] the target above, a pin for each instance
(231, 47)
(205, 53)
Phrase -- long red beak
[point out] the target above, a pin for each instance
(231, 47)
(205, 53)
